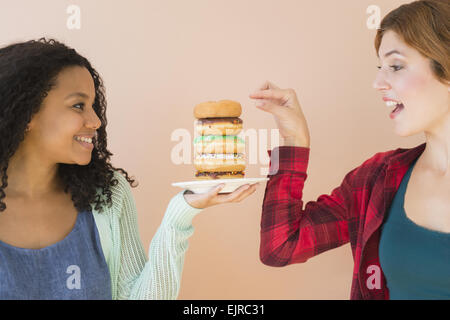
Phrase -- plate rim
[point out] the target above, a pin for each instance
(218, 181)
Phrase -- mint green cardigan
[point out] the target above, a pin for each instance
(133, 275)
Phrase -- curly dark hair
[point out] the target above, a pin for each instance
(28, 71)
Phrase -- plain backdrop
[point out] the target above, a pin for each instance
(158, 59)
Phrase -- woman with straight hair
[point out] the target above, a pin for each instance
(394, 208)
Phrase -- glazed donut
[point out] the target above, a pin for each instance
(219, 175)
(218, 109)
(218, 162)
(219, 144)
(218, 126)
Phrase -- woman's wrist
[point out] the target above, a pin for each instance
(192, 200)
(296, 142)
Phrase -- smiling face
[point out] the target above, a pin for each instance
(407, 77)
(65, 114)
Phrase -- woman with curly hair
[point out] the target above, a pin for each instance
(68, 221)
(394, 208)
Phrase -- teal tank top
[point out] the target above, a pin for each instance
(415, 260)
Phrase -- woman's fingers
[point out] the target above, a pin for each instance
(246, 193)
(231, 197)
(272, 108)
(282, 97)
(267, 85)
(278, 95)
(216, 189)
(212, 196)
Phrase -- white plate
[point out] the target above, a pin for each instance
(202, 186)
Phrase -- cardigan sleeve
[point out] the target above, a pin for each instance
(159, 276)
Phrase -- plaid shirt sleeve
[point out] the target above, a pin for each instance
(289, 233)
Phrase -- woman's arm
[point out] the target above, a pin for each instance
(159, 276)
(289, 233)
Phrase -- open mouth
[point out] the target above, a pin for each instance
(398, 108)
(85, 142)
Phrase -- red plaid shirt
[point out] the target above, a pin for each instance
(353, 212)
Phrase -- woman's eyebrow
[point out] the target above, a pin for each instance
(393, 52)
(77, 94)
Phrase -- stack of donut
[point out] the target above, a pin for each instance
(219, 152)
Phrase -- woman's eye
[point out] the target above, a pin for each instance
(396, 68)
(79, 104)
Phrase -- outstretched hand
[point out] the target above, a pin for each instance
(212, 196)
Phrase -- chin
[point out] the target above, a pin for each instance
(404, 135)
(83, 162)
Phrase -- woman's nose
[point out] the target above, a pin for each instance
(379, 83)
(94, 121)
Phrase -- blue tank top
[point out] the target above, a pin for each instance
(73, 268)
(415, 260)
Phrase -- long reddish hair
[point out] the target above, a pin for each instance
(425, 26)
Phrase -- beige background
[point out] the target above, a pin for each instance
(160, 58)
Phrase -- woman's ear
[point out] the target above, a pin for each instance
(29, 126)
